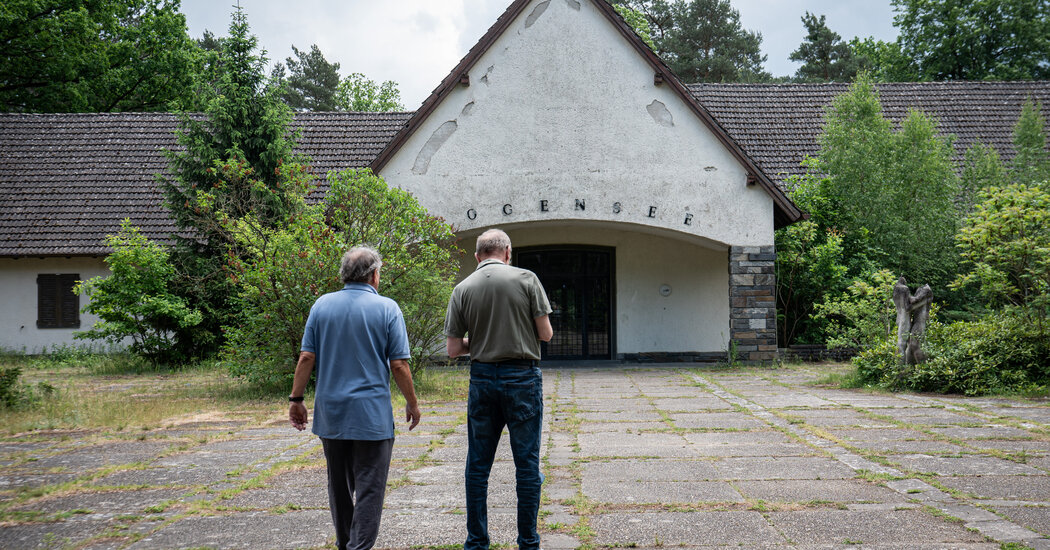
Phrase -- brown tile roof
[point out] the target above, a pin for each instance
(67, 180)
(778, 124)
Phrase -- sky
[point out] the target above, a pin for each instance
(417, 42)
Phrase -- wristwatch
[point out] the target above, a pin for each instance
(295, 399)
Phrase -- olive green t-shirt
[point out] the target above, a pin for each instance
(495, 307)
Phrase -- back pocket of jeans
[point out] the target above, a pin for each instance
(524, 400)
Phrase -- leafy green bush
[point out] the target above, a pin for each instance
(862, 316)
(281, 271)
(14, 394)
(135, 301)
(996, 354)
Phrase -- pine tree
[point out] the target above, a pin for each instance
(312, 81)
(825, 57)
(244, 123)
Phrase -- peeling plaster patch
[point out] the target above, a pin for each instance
(485, 77)
(706, 168)
(660, 114)
(536, 13)
(574, 4)
(467, 109)
(437, 139)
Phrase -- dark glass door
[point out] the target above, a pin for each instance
(579, 286)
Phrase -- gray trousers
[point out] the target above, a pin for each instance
(357, 472)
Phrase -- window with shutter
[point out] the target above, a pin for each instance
(57, 305)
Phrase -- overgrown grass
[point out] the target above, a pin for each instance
(125, 393)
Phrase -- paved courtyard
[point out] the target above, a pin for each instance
(645, 457)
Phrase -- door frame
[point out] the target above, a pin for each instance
(611, 251)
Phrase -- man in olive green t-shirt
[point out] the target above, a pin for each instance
(498, 315)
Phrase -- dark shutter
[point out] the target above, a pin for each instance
(57, 305)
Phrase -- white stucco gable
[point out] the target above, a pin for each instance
(560, 118)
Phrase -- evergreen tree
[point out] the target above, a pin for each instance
(312, 81)
(245, 124)
(706, 43)
(702, 40)
(824, 56)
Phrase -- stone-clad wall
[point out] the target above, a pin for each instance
(752, 302)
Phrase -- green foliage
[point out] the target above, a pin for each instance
(892, 194)
(824, 56)
(281, 271)
(703, 40)
(135, 301)
(995, 354)
(1005, 244)
(15, 394)
(638, 22)
(982, 168)
(94, 56)
(863, 315)
(1031, 165)
(975, 39)
(358, 93)
(809, 266)
(883, 61)
(245, 122)
(312, 81)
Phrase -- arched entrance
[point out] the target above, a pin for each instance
(579, 284)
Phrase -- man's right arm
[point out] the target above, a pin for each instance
(544, 330)
(457, 346)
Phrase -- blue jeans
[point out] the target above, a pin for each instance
(511, 396)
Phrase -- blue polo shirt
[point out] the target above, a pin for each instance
(354, 333)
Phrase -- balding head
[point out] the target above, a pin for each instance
(359, 263)
(492, 243)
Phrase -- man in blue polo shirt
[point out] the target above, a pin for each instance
(356, 338)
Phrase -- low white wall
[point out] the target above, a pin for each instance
(693, 318)
(18, 296)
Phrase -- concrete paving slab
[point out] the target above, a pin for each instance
(105, 502)
(878, 434)
(774, 467)
(298, 529)
(305, 497)
(727, 420)
(660, 492)
(1033, 414)
(592, 426)
(106, 454)
(691, 404)
(648, 470)
(859, 528)
(640, 415)
(662, 529)
(838, 417)
(781, 401)
(967, 465)
(628, 445)
(62, 534)
(17, 480)
(984, 432)
(182, 476)
(429, 528)
(1025, 446)
(1026, 488)
(895, 447)
(808, 490)
(1036, 518)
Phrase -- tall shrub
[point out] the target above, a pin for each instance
(281, 271)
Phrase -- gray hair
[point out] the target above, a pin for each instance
(492, 242)
(358, 264)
